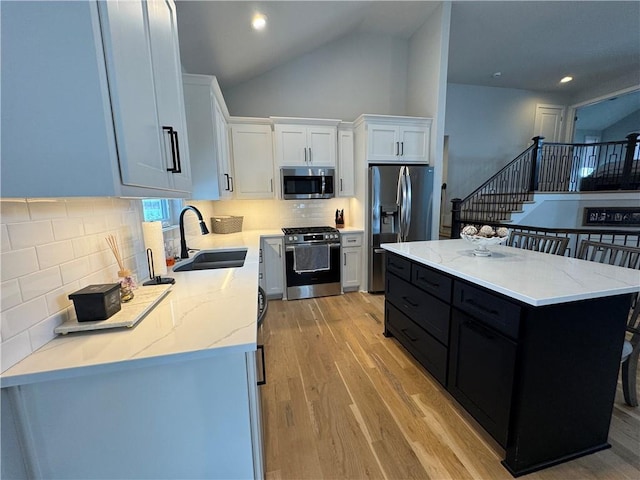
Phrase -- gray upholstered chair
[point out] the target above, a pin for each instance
(629, 257)
(539, 242)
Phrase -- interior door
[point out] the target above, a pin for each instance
(548, 122)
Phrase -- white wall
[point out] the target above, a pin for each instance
(427, 89)
(359, 73)
(487, 127)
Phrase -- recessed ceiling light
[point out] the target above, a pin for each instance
(259, 21)
(566, 79)
(497, 75)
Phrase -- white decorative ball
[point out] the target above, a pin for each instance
(503, 232)
(470, 230)
(486, 231)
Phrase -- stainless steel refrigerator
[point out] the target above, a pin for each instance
(400, 201)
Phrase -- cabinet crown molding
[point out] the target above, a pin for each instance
(391, 119)
(212, 81)
(331, 122)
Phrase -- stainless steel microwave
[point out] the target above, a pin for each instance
(307, 183)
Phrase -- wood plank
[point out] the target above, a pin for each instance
(342, 401)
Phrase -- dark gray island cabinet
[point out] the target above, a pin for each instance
(528, 343)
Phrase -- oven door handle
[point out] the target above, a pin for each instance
(291, 248)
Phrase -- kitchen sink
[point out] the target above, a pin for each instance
(212, 259)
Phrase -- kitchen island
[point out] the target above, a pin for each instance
(173, 397)
(528, 343)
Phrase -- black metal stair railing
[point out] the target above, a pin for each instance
(550, 167)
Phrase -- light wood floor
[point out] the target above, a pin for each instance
(342, 401)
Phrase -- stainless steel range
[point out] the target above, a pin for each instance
(312, 262)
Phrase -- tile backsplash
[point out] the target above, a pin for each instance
(50, 248)
(53, 247)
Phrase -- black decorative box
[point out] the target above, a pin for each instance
(96, 302)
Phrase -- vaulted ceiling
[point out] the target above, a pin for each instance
(532, 44)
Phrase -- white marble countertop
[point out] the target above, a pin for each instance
(206, 313)
(532, 277)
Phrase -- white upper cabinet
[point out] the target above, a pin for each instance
(396, 139)
(87, 89)
(252, 149)
(208, 138)
(346, 168)
(305, 142)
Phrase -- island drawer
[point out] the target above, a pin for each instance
(426, 349)
(496, 312)
(425, 310)
(398, 265)
(432, 281)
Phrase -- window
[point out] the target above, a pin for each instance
(162, 210)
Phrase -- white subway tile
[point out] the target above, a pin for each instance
(108, 275)
(75, 269)
(14, 349)
(54, 253)
(114, 221)
(30, 233)
(96, 224)
(39, 283)
(100, 260)
(17, 263)
(85, 246)
(58, 299)
(22, 317)
(5, 244)
(14, 210)
(46, 208)
(42, 333)
(79, 207)
(11, 296)
(64, 229)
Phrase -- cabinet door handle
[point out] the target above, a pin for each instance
(264, 368)
(345, 259)
(305, 155)
(397, 148)
(280, 251)
(479, 330)
(408, 300)
(351, 240)
(179, 170)
(405, 331)
(271, 183)
(428, 282)
(174, 166)
(402, 149)
(231, 181)
(310, 159)
(482, 308)
(341, 185)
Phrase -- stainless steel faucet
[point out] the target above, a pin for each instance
(184, 251)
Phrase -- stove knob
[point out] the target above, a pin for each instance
(295, 238)
(290, 238)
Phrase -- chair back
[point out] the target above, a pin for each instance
(538, 242)
(618, 255)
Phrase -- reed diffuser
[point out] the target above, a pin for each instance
(127, 283)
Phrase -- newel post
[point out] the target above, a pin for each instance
(536, 160)
(456, 207)
(632, 140)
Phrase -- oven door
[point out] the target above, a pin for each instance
(313, 284)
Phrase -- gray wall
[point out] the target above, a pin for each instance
(487, 128)
(359, 73)
(620, 130)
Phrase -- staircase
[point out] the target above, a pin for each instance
(552, 167)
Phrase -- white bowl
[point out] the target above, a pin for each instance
(482, 243)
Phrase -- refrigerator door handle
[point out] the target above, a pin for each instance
(407, 200)
(400, 202)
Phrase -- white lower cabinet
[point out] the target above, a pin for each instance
(97, 116)
(197, 418)
(252, 146)
(351, 260)
(272, 266)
